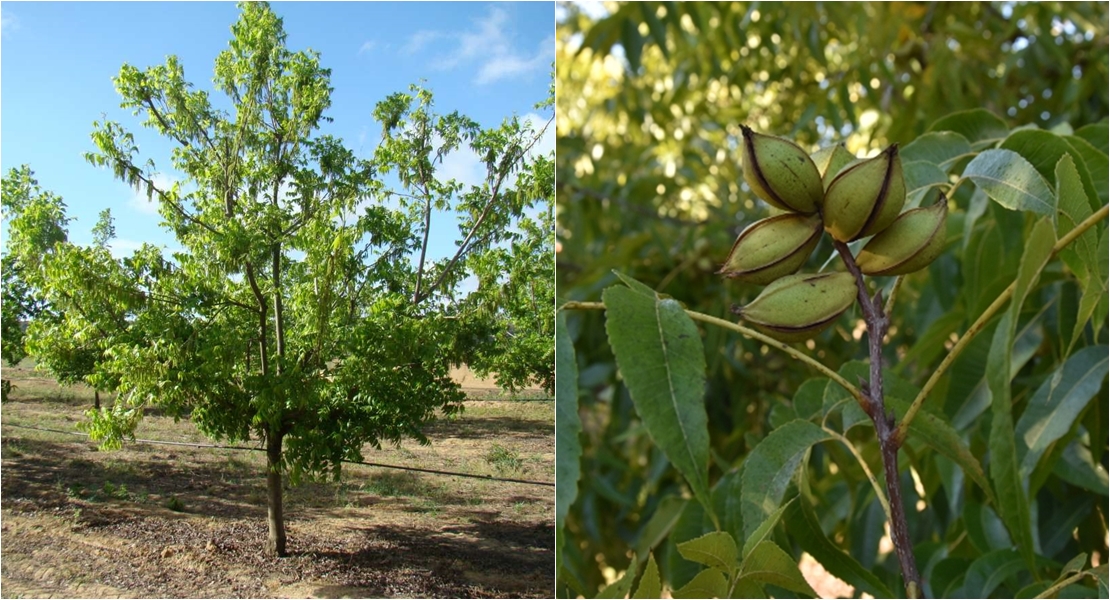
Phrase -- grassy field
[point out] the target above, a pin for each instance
(175, 521)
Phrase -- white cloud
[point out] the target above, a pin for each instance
(488, 44)
(369, 46)
(546, 145)
(8, 22)
(139, 201)
(489, 39)
(120, 247)
(508, 65)
(463, 165)
(123, 248)
(420, 39)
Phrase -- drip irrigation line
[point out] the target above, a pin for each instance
(355, 462)
(479, 399)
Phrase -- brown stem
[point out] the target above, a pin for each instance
(877, 323)
(261, 319)
(493, 198)
(274, 516)
(424, 244)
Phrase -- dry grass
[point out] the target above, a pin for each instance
(175, 521)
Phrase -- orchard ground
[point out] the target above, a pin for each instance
(175, 521)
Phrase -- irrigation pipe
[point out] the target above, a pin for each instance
(356, 462)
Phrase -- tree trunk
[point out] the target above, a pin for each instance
(273, 484)
(96, 399)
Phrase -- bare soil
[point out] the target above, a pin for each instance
(173, 521)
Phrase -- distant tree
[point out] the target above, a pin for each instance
(16, 307)
(294, 314)
(105, 228)
(58, 296)
(36, 224)
(516, 290)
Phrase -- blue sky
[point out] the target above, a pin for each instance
(57, 60)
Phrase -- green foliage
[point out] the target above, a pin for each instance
(505, 460)
(36, 226)
(568, 426)
(63, 302)
(105, 229)
(516, 288)
(175, 504)
(16, 307)
(650, 185)
(666, 379)
(726, 575)
(118, 492)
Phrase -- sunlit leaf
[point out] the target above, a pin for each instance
(1074, 209)
(920, 178)
(939, 148)
(764, 530)
(650, 585)
(1097, 134)
(1044, 149)
(1075, 565)
(1011, 181)
(710, 583)
(1095, 161)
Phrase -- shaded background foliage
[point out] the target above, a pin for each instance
(650, 100)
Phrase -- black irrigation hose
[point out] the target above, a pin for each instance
(356, 462)
(480, 399)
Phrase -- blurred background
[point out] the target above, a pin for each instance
(650, 101)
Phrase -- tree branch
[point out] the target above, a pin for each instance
(427, 230)
(261, 318)
(877, 324)
(150, 183)
(184, 142)
(481, 218)
(751, 333)
(981, 323)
